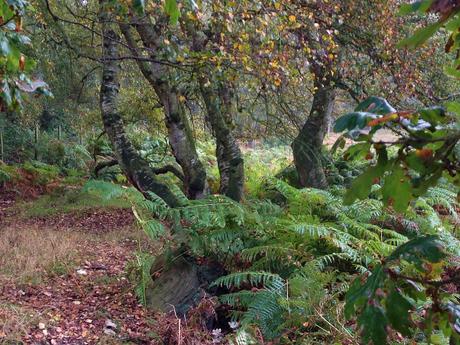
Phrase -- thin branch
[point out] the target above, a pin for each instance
(103, 165)
(169, 169)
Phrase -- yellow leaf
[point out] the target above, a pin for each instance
(292, 18)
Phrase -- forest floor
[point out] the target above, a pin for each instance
(63, 276)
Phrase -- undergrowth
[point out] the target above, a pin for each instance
(62, 201)
(290, 261)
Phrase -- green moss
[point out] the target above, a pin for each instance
(70, 201)
(42, 173)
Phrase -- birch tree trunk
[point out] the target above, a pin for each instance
(218, 100)
(136, 169)
(180, 136)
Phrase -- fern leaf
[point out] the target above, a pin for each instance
(252, 278)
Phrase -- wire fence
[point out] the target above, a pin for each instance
(19, 139)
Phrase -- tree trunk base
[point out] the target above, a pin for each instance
(181, 284)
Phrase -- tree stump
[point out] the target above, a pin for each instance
(179, 285)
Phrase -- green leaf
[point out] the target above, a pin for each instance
(359, 294)
(453, 24)
(172, 10)
(6, 93)
(373, 323)
(397, 190)
(433, 115)
(357, 119)
(357, 151)
(398, 307)
(139, 6)
(416, 6)
(424, 248)
(375, 105)
(361, 186)
(369, 109)
(416, 163)
(429, 179)
(154, 229)
(453, 107)
(420, 36)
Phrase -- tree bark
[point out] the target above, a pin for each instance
(218, 101)
(180, 135)
(308, 144)
(137, 170)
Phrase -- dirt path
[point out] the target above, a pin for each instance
(91, 303)
(63, 281)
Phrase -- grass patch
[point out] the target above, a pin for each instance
(70, 201)
(29, 255)
(15, 321)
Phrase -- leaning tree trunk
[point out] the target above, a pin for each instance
(307, 147)
(218, 101)
(136, 169)
(178, 283)
(180, 135)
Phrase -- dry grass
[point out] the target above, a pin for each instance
(30, 254)
(15, 321)
(27, 255)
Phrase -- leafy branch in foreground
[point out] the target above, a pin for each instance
(424, 149)
(406, 292)
(14, 64)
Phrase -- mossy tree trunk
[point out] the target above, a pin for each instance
(180, 135)
(180, 284)
(136, 169)
(307, 146)
(218, 98)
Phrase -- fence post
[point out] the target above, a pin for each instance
(2, 152)
(37, 133)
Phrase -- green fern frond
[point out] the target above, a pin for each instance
(365, 210)
(380, 248)
(235, 280)
(155, 205)
(326, 260)
(266, 312)
(154, 229)
(226, 235)
(139, 273)
(240, 298)
(179, 194)
(213, 211)
(356, 228)
(311, 230)
(4, 175)
(271, 252)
